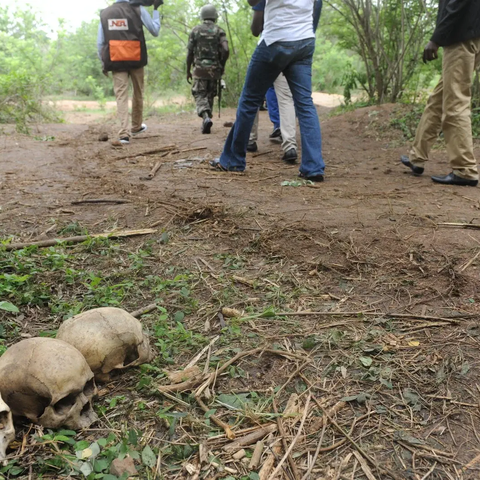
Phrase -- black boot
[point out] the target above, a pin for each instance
(207, 123)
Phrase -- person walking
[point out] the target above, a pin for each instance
(288, 44)
(208, 53)
(284, 120)
(448, 109)
(123, 51)
(273, 115)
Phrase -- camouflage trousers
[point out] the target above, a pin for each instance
(204, 91)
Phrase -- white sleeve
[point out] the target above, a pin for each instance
(151, 23)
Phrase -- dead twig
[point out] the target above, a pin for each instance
(376, 314)
(153, 172)
(471, 463)
(470, 262)
(282, 432)
(366, 469)
(117, 201)
(193, 149)
(224, 367)
(144, 310)
(257, 456)
(459, 225)
(250, 438)
(148, 152)
(79, 239)
(355, 444)
(197, 357)
(216, 420)
(182, 387)
(292, 445)
(262, 153)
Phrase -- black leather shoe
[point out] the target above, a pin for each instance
(313, 178)
(452, 179)
(276, 133)
(207, 125)
(290, 156)
(406, 161)
(252, 147)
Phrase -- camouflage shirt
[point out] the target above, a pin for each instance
(205, 42)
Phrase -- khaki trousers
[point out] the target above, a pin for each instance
(254, 133)
(288, 121)
(120, 86)
(286, 107)
(448, 110)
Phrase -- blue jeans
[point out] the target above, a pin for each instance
(272, 105)
(294, 59)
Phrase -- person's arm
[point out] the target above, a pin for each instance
(317, 12)
(152, 24)
(189, 66)
(224, 50)
(257, 23)
(449, 23)
(190, 56)
(100, 41)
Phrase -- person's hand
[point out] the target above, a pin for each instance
(105, 73)
(431, 52)
(157, 4)
(189, 77)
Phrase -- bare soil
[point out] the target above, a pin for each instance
(367, 250)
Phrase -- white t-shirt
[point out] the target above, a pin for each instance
(288, 21)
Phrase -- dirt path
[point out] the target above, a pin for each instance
(367, 190)
(368, 199)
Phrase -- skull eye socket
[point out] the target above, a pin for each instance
(3, 420)
(86, 409)
(131, 355)
(89, 388)
(64, 405)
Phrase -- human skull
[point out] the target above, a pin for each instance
(49, 382)
(7, 431)
(109, 339)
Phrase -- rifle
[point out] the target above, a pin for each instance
(221, 86)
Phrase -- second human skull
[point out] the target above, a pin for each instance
(49, 382)
(7, 430)
(109, 339)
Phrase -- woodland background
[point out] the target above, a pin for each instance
(368, 49)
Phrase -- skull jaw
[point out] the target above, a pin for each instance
(7, 435)
(7, 430)
(80, 416)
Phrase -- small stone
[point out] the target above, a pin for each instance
(119, 467)
(103, 137)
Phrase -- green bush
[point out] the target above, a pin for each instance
(21, 101)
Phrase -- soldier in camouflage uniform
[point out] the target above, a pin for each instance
(207, 52)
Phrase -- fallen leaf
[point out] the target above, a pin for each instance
(120, 467)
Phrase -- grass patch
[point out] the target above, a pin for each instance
(382, 378)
